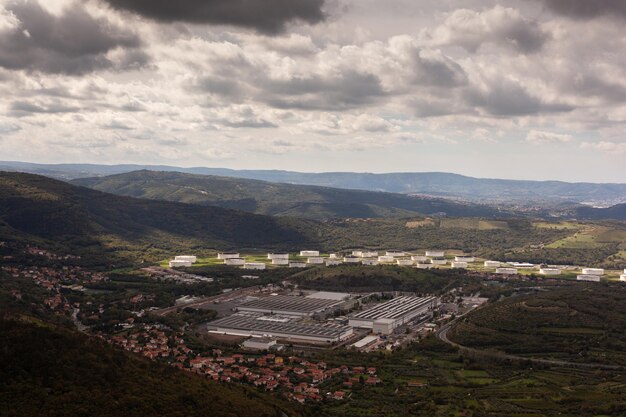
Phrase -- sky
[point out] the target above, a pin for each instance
(521, 89)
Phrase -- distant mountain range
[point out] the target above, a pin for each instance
(445, 185)
(279, 199)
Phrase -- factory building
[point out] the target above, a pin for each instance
(307, 253)
(254, 265)
(223, 256)
(179, 263)
(549, 271)
(493, 264)
(384, 326)
(386, 259)
(328, 295)
(234, 261)
(297, 265)
(404, 262)
(588, 278)
(315, 260)
(280, 327)
(459, 264)
(593, 271)
(290, 305)
(399, 311)
(506, 271)
(468, 259)
(395, 253)
(190, 258)
(365, 342)
(435, 253)
(273, 256)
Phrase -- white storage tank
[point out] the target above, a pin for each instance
(435, 253)
(419, 258)
(254, 265)
(280, 261)
(332, 262)
(459, 264)
(506, 271)
(273, 256)
(231, 255)
(549, 271)
(234, 261)
(492, 264)
(307, 253)
(588, 277)
(352, 259)
(394, 253)
(297, 265)
(593, 271)
(177, 263)
(423, 265)
(191, 258)
(468, 259)
(404, 262)
(315, 260)
(370, 262)
(386, 259)
(438, 262)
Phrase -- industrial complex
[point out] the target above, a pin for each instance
(384, 318)
(290, 305)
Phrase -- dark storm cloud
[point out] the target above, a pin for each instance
(587, 9)
(72, 43)
(268, 16)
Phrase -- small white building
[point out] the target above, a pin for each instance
(506, 271)
(588, 278)
(177, 263)
(234, 261)
(332, 262)
(297, 265)
(315, 260)
(386, 259)
(273, 256)
(459, 264)
(333, 256)
(549, 271)
(593, 271)
(423, 265)
(468, 259)
(352, 259)
(395, 253)
(370, 262)
(259, 343)
(254, 265)
(492, 264)
(191, 258)
(404, 262)
(280, 261)
(419, 258)
(435, 253)
(307, 253)
(227, 255)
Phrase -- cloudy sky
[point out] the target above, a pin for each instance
(528, 89)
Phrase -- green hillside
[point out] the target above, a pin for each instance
(71, 375)
(276, 199)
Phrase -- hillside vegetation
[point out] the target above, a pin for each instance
(52, 371)
(275, 198)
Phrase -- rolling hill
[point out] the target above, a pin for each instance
(445, 185)
(277, 199)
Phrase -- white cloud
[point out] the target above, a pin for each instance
(540, 137)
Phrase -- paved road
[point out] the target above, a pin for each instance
(442, 334)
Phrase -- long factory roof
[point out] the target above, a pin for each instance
(290, 303)
(279, 325)
(395, 308)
